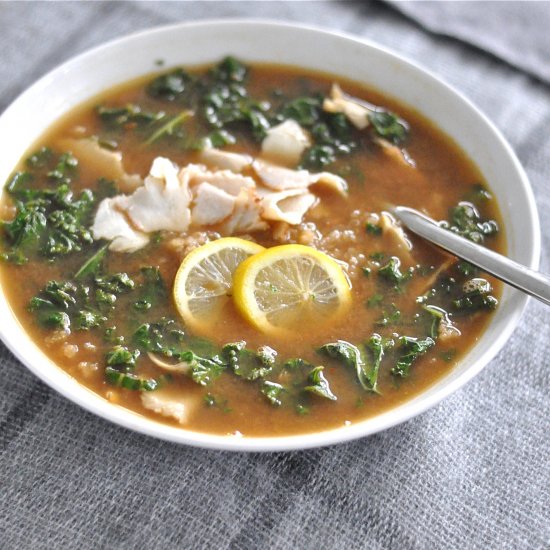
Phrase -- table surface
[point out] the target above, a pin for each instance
(470, 473)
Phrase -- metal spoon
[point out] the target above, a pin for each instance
(532, 282)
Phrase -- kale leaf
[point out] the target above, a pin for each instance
(122, 358)
(390, 271)
(164, 337)
(273, 392)
(389, 126)
(152, 290)
(466, 221)
(306, 111)
(230, 69)
(40, 158)
(411, 349)
(92, 265)
(319, 385)
(376, 346)
(204, 370)
(225, 102)
(48, 222)
(129, 380)
(248, 364)
(169, 126)
(82, 306)
(171, 85)
(130, 115)
(297, 363)
(476, 296)
(350, 356)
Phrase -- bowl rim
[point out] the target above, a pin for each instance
(413, 407)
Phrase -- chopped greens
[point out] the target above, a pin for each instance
(350, 356)
(376, 346)
(390, 271)
(220, 98)
(389, 126)
(438, 316)
(86, 320)
(318, 384)
(40, 158)
(466, 221)
(122, 357)
(273, 392)
(152, 291)
(217, 138)
(248, 364)
(129, 381)
(204, 370)
(92, 265)
(52, 224)
(297, 363)
(373, 229)
(476, 296)
(467, 269)
(410, 350)
(49, 221)
(85, 305)
(225, 102)
(306, 111)
(126, 117)
(230, 69)
(170, 125)
(163, 337)
(170, 86)
(211, 400)
(391, 316)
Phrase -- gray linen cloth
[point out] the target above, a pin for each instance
(517, 32)
(470, 473)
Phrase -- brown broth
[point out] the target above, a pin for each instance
(442, 177)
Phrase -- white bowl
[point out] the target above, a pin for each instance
(259, 41)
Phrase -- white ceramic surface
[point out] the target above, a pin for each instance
(256, 41)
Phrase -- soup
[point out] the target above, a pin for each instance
(214, 248)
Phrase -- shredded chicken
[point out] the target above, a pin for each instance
(447, 331)
(180, 368)
(163, 201)
(354, 110)
(223, 179)
(225, 160)
(112, 224)
(162, 403)
(395, 153)
(246, 216)
(287, 206)
(212, 205)
(279, 178)
(173, 199)
(393, 233)
(285, 143)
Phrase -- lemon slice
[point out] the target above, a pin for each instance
(204, 281)
(286, 287)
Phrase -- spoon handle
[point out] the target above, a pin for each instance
(532, 282)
